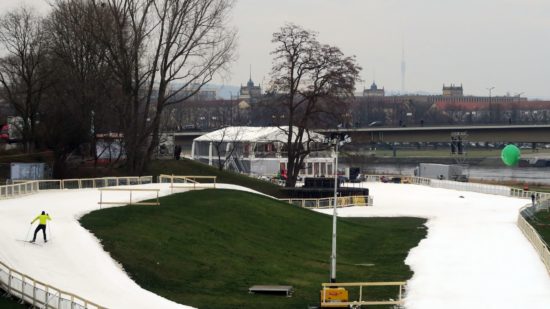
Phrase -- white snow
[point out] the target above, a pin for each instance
(73, 259)
(473, 257)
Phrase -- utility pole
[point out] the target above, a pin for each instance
(490, 104)
(336, 140)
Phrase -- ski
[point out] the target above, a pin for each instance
(30, 242)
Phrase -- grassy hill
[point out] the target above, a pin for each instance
(189, 167)
(10, 303)
(206, 248)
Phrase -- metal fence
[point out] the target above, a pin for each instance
(364, 298)
(536, 240)
(344, 201)
(42, 295)
(29, 290)
(188, 182)
(20, 188)
(39, 294)
(542, 202)
(444, 184)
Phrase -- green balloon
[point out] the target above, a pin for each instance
(510, 155)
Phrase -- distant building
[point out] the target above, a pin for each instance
(193, 93)
(453, 91)
(250, 92)
(373, 91)
(450, 107)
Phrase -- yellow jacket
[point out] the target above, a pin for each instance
(42, 218)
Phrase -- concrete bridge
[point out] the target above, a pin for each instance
(489, 133)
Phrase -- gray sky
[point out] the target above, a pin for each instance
(478, 43)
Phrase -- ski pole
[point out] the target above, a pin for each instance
(50, 232)
(28, 231)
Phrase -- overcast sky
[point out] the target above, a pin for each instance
(477, 43)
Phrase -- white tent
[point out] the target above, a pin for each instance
(256, 134)
(259, 150)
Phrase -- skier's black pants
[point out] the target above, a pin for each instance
(38, 228)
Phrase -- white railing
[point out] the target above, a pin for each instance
(470, 186)
(362, 294)
(21, 188)
(129, 201)
(29, 290)
(188, 182)
(343, 201)
(445, 184)
(534, 238)
(542, 201)
(39, 294)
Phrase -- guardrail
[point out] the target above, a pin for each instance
(362, 297)
(534, 238)
(20, 188)
(542, 201)
(39, 294)
(34, 292)
(445, 184)
(343, 201)
(189, 182)
(130, 201)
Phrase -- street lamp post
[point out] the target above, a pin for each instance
(336, 140)
(334, 216)
(490, 104)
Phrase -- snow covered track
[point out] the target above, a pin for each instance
(474, 255)
(73, 259)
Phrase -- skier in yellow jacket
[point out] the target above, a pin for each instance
(42, 225)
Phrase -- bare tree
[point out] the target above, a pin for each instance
(159, 49)
(23, 77)
(226, 144)
(75, 107)
(312, 80)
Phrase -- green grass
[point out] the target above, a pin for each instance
(187, 167)
(541, 222)
(10, 303)
(206, 248)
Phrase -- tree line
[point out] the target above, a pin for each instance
(91, 67)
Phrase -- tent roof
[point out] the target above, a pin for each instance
(253, 134)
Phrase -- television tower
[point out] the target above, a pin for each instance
(403, 69)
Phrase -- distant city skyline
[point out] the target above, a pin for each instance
(480, 44)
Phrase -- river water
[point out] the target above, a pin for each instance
(521, 174)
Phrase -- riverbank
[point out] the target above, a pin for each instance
(489, 170)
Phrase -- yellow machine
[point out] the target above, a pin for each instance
(333, 297)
